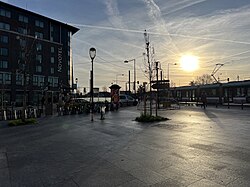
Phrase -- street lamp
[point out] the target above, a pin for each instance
(117, 76)
(127, 61)
(92, 54)
(168, 70)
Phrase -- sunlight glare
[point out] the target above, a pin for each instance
(189, 62)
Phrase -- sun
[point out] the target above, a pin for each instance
(189, 63)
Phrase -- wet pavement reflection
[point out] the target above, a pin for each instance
(196, 147)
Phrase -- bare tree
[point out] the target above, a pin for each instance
(201, 80)
(104, 89)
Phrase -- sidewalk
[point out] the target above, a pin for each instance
(196, 147)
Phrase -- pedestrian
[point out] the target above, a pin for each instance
(204, 99)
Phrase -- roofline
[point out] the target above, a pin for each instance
(71, 28)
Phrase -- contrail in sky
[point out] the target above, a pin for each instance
(156, 33)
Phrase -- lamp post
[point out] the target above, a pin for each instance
(92, 54)
(127, 61)
(169, 71)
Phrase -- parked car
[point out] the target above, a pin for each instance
(126, 100)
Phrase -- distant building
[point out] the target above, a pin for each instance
(35, 47)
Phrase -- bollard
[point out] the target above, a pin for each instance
(35, 113)
(4, 115)
(241, 105)
(25, 114)
(60, 111)
(15, 116)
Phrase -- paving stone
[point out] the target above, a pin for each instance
(3, 160)
(169, 183)
(240, 182)
(101, 176)
(147, 176)
(4, 178)
(205, 183)
(133, 183)
(182, 176)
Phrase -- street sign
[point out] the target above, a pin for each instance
(161, 81)
(160, 86)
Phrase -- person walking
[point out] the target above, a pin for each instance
(204, 99)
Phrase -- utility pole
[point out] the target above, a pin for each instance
(146, 36)
(129, 81)
(157, 94)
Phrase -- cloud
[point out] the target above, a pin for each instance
(180, 5)
(113, 13)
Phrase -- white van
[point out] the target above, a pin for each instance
(126, 100)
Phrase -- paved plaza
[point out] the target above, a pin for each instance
(196, 147)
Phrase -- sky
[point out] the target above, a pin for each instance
(215, 31)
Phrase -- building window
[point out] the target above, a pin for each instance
(35, 80)
(22, 30)
(52, 60)
(38, 47)
(52, 70)
(4, 26)
(38, 80)
(5, 13)
(39, 23)
(52, 49)
(39, 58)
(50, 81)
(19, 79)
(5, 78)
(53, 81)
(39, 35)
(4, 39)
(4, 64)
(39, 69)
(41, 80)
(23, 19)
(3, 52)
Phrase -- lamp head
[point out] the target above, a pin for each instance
(125, 61)
(92, 52)
(146, 37)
